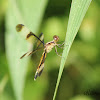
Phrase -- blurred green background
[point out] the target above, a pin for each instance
(80, 79)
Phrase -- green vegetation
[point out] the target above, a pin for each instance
(78, 75)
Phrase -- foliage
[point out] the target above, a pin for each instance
(80, 79)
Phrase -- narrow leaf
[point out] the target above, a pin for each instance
(30, 13)
(77, 13)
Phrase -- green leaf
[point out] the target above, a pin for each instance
(77, 13)
(30, 13)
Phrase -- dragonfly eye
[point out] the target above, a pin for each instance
(56, 38)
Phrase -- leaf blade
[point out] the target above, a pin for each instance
(77, 13)
(15, 45)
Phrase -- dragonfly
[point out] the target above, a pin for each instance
(47, 47)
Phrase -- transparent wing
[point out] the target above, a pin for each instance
(30, 52)
(27, 34)
(39, 43)
(30, 37)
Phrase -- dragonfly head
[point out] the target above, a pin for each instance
(56, 38)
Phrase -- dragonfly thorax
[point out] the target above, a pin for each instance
(49, 46)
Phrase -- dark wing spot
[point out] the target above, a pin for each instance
(28, 36)
(19, 27)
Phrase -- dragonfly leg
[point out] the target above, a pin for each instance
(60, 45)
(57, 52)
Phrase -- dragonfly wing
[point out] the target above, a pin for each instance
(41, 65)
(39, 43)
(30, 52)
(27, 34)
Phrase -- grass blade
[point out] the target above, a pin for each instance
(30, 13)
(77, 13)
